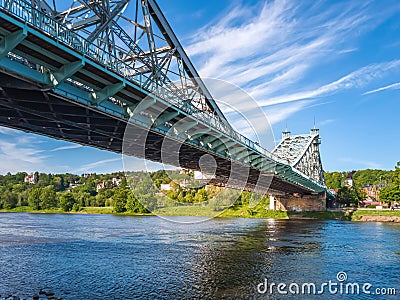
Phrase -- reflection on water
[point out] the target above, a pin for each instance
(109, 257)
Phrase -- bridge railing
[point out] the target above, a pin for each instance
(62, 34)
(59, 32)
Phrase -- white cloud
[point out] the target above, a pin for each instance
(368, 164)
(355, 79)
(8, 131)
(66, 148)
(277, 113)
(91, 166)
(20, 154)
(387, 87)
(269, 40)
(269, 49)
(20, 151)
(325, 122)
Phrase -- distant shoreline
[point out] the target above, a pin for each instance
(360, 215)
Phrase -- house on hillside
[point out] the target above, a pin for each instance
(184, 171)
(31, 178)
(73, 185)
(116, 181)
(372, 192)
(101, 185)
(165, 187)
(349, 179)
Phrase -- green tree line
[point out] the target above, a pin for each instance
(136, 194)
(387, 181)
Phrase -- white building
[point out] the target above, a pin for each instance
(101, 185)
(31, 178)
(73, 185)
(202, 176)
(165, 187)
(348, 182)
(116, 181)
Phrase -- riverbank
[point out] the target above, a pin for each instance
(361, 215)
(194, 211)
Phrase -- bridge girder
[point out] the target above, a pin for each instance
(302, 153)
(101, 81)
(149, 47)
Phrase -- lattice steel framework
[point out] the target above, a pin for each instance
(302, 152)
(134, 37)
(66, 65)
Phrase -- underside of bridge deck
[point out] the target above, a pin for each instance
(49, 114)
(56, 82)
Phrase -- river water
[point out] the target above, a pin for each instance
(113, 257)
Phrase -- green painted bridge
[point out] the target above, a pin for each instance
(71, 71)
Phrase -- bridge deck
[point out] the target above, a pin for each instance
(51, 115)
(31, 101)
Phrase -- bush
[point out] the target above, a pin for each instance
(67, 202)
(76, 207)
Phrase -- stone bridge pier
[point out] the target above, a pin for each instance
(294, 202)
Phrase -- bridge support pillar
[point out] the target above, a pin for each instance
(301, 202)
(271, 202)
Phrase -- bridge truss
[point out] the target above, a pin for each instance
(82, 71)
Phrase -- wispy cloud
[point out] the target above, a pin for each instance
(21, 152)
(8, 131)
(270, 48)
(20, 156)
(91, 166)
(362, 163)
(356, 79)
(394, 86)
(66, 148)
(325, 122)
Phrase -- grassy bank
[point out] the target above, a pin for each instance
(83, 210)
(345, 215)
(232, 212)
(322, 215)
(30, 210)
(195, 210)
(257, 212)
(358, 214)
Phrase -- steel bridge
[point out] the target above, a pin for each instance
(73, 72)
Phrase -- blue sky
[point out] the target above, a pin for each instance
(337, 61)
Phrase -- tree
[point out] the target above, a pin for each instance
(201, 195)
(160, 177)
(334, 180)
(48, 197)
(82, 197)
(144, 192)
(189, 198)
(58, 183)
(34, 198)
(349, 195)
(133, 205)
(67, 201)
(9, 199)
(390, 194)
(44, 180)
(120, 200)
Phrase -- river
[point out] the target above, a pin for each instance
(118, 257)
